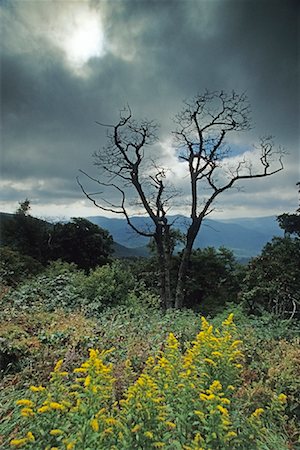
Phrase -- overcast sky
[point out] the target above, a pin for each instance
(66, 64)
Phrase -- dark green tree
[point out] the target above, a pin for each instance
(26, 234)
(81, 242)
(272, 281)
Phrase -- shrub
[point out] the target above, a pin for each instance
(15, 267)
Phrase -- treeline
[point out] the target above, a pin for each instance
(270, 281)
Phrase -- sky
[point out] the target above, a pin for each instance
(67, 64)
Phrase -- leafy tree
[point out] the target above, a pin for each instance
(26, 234)
(290, 223)
(273, 278)
(80, 242)
(201, 140)
(212, 279)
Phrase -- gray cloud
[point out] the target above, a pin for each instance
(156, 54)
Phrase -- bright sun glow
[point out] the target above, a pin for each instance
(86, 40)
(77, 30)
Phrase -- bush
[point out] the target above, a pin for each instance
(15, 267)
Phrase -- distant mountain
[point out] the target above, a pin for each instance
(245, 237)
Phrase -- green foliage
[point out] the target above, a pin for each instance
(15, 267)
(26, 234)
(272, 280)
(180, 400)
(212, 280)
(290, 223)
(81, 242)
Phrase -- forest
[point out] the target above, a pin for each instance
(90, 358)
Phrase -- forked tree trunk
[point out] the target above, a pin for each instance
(164, 274)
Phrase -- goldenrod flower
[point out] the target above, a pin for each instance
(231, 434)
(43, 409)
(148, 434)
(27, 412)
(136, 428)
(30, 436)
(159, 444)
(95, 425)
(71, 445)
(257, 412)
(37, 388)
(282, 398)
(25, 402)
(58, 365)
(56, 405)
(56, 432)
(18, 442)
(170, 424)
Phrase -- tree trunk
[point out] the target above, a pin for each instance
(164, 274)
(184, 263)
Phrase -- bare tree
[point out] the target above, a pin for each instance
(201, 129)
(123, 160)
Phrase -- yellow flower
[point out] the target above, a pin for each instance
(30, 437)
(231, 434)
(43, 409)
(136, 428)
(222, 410)
(56, 432)
(71, 445)
(229, 320)
(257, 412)
(282, 398)
(87, 381)
(215, 386)
(25, 402)
(199, 413)
(37, 388)
(27, 412)
(210, 361)
(56, 405)
(95, 425)
(80, 370)
(170, 424)
(148, 434)
(58, 365)
(236, 344)
(159, 444)
(18, 442)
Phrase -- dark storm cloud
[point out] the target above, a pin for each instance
(158, 53)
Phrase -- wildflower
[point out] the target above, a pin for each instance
(225, 401)
(222, 410)
(71, 445)
(87, 381)
(210, 361)
(18, 442)
(56, 405)
(95, 425)
(111, 421)
(25, 402)
(27, 412)
(37, 388)
(171, 424)
(43, 409)
(159, 444)
(236, 344)
(231, 434)
(30, 436)
(80, 370)
(282, 398)
(215, 386)
(199, 413)
(257, 412)
(148, 434)
(56, 432)
(108, 431)
(228, 321)
(58, 365)
(136, 428)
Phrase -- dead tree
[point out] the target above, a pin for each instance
(125, 165)
(201, 141)
(202, 127)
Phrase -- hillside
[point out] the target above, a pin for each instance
(245, 237)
